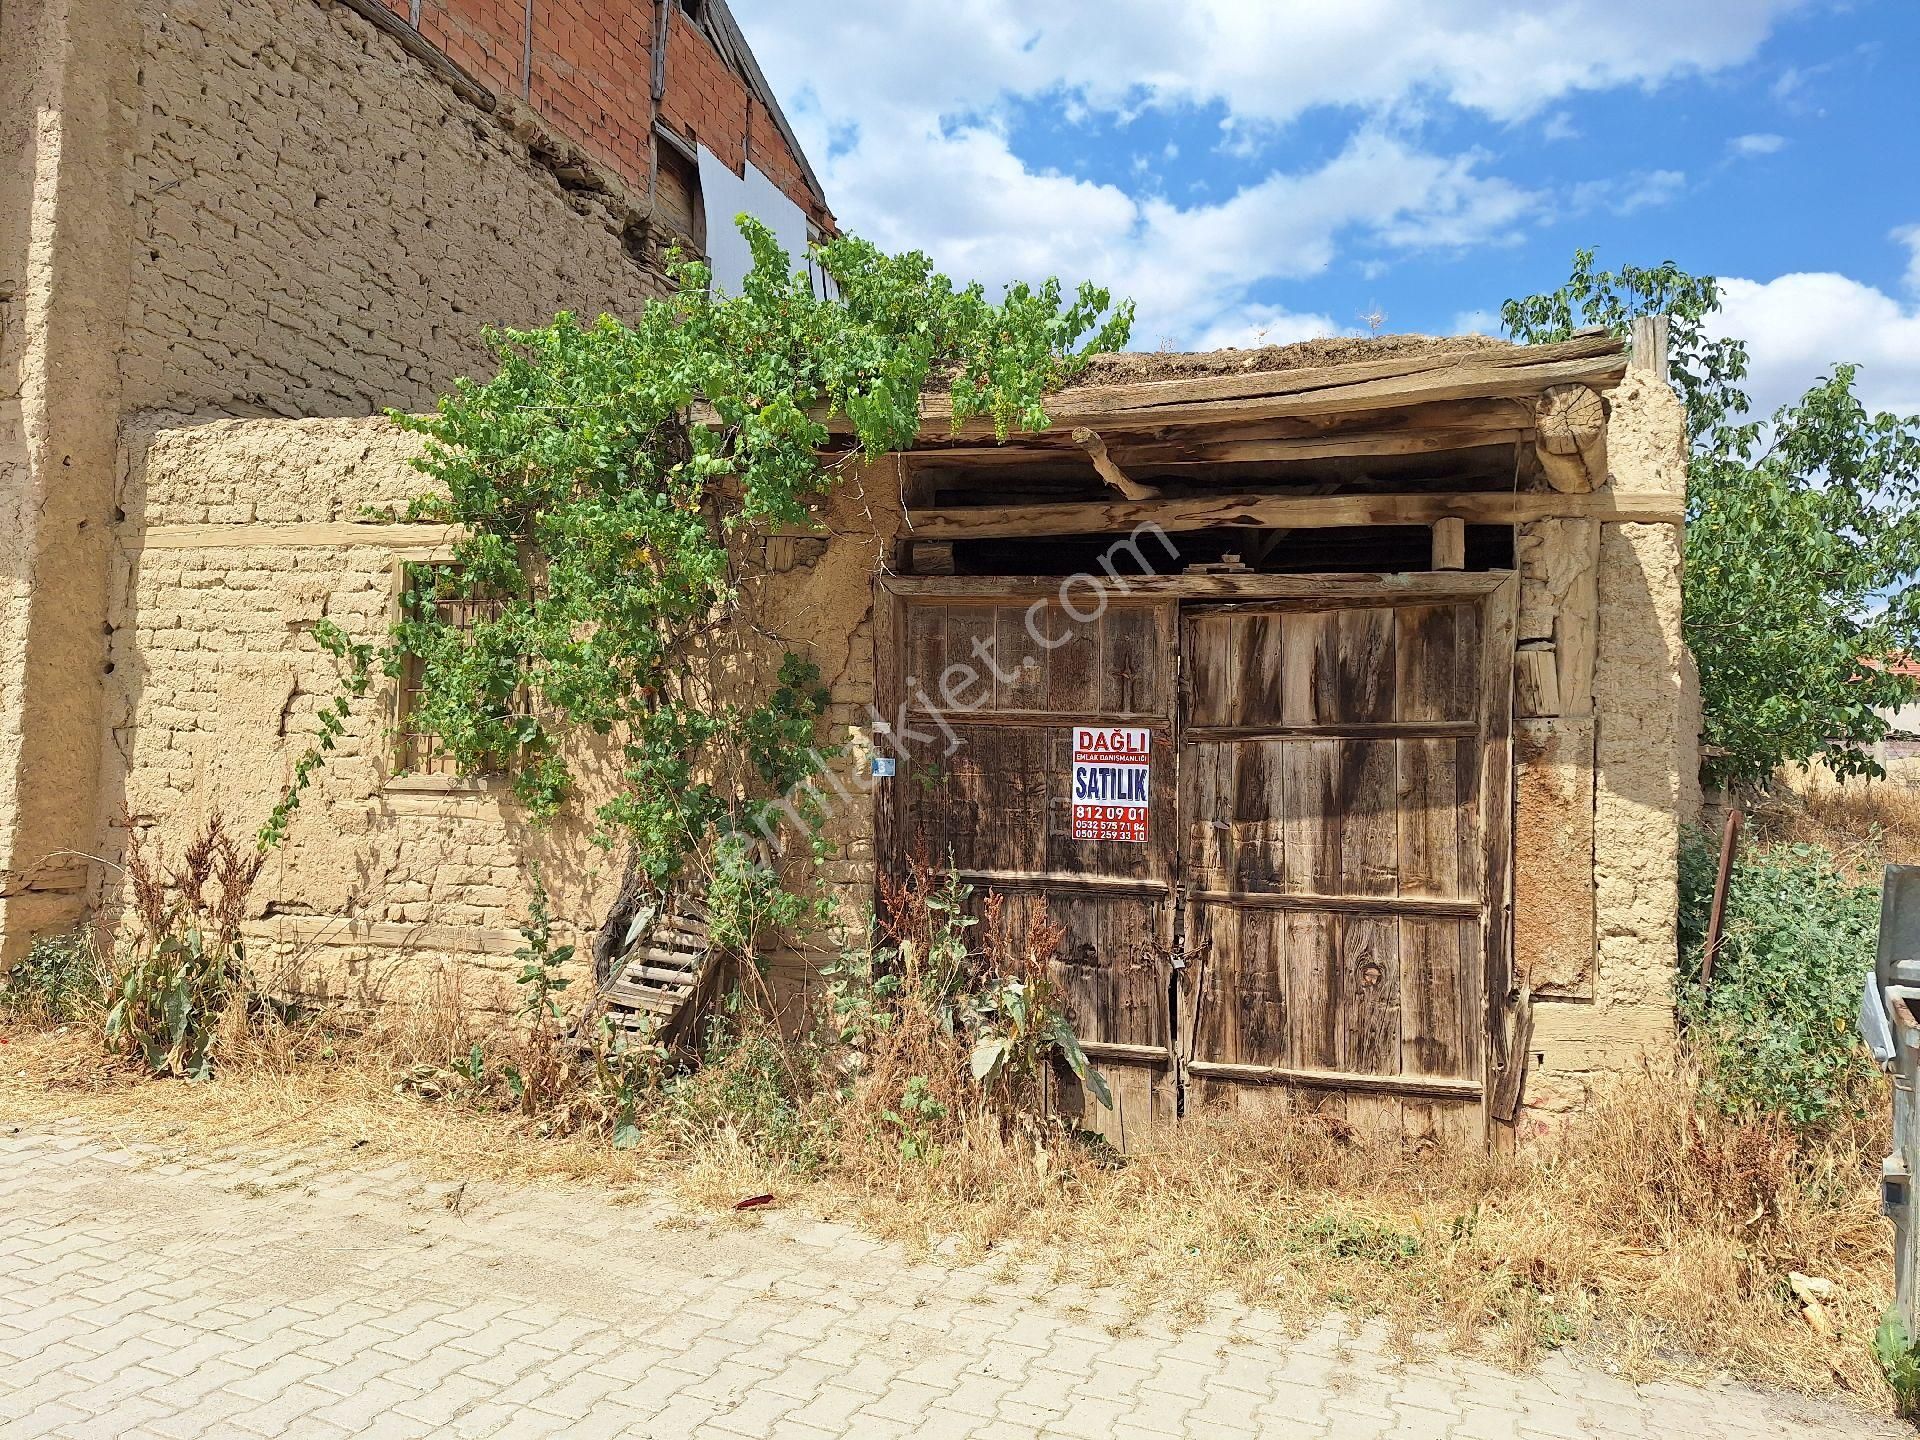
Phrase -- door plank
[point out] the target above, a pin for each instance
(1369, 994)
(1309, 942)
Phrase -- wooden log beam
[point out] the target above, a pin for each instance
(1096, 448)
(1297, 512)
(1570, 423)
(1450, 543)
(1422, 378)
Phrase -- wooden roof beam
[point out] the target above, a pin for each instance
(1296, 512)
(1096, 448)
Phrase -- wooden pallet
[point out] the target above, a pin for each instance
(657, 979)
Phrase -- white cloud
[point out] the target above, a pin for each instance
(1559, 126)
(1625, 194)
(1749, 147)
(906, 112)
(1909, 236)
(1797, 327)
(1254, 325)
(1477, 322)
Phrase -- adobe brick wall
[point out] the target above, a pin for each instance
(322, 227)
(216, 682)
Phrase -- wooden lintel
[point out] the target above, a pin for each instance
(1295, 512)
(1110, 471)
(1371, 588)
(321, 534)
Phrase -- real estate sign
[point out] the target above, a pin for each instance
(1110, 783)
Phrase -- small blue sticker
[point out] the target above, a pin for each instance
(883, 767)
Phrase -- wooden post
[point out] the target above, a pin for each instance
(1729, 840)
(1450, 544)
(1650, 346)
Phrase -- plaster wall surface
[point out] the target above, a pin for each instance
(217, 681)
(323, 228)
(1644, 777)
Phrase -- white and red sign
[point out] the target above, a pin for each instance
(1110, 783)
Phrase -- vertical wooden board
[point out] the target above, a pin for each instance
(1259, 832)
(926, 650)
(1210, 645)
(1368, 994)
(966, 683)
(1376, 1120)
(888, 799)
(1436, 664)
(1309, 667)
(1073, 664)
(1438, 1002)
(986, 806)
(1309, 950)
(1310, 817)
(1256, 994)
(1137, 664)
(1210, 998)
(1459, 1126)
(1364, 641)
(1206, 807)
(1429, 831)
(1259, 669)
(1496, 827)
(1019, 661)
(1108, 964)
(1369, 833)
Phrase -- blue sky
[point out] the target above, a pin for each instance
(1274, 169)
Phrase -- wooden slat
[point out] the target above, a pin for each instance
(1436, 1086)
(324, 534)
(1326, 390)
(1359, 730)
(1372, 588)
(1294, 512)
(1354, 904)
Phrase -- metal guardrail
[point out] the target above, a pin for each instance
(1890, 1024)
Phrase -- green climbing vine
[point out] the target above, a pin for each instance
(602, 480)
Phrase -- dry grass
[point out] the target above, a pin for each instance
(1866, 823)
(1652, 1234)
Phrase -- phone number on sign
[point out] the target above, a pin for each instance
(1109, 822)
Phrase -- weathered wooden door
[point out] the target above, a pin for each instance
(1343, 780)
(985, 696)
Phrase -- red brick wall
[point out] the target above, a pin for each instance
(591, 80)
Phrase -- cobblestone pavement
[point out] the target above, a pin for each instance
(146, 1294)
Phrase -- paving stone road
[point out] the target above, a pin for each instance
(144, 1294)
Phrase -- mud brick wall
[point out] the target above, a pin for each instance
(322, 227)
(1604, 784)
(248, 538)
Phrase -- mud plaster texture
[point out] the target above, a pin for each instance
(322, 229)
(217, 680)
(1645, 775)
(222, 207)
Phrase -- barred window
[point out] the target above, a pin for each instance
(420, 750)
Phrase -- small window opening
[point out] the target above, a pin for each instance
(420, 749)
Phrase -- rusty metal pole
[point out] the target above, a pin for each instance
(1729, 839)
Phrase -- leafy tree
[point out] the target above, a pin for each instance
(1803, 533)
(605, 480)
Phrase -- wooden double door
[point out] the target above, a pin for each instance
(1317, 905)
